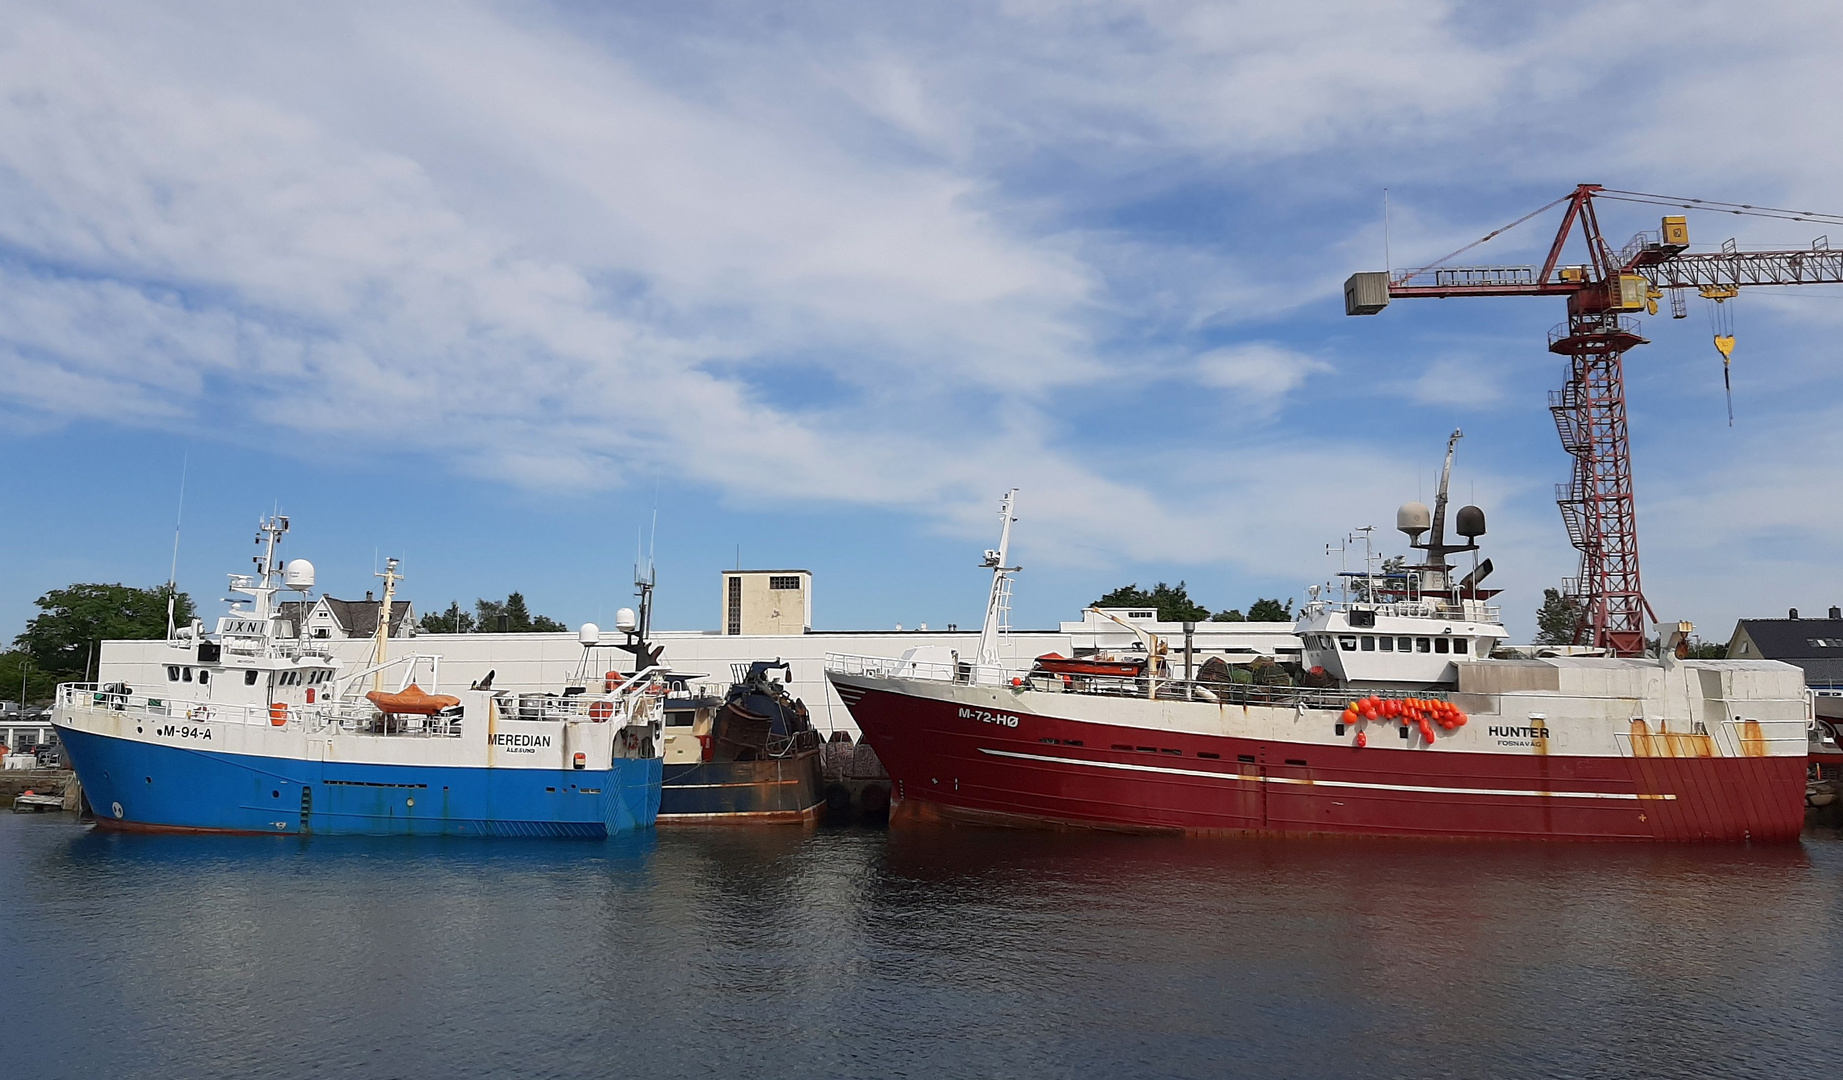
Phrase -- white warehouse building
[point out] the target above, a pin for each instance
(766, 615)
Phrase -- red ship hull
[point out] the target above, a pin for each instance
(1052, 772)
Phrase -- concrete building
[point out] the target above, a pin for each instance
(1816, 645)
(757, 602)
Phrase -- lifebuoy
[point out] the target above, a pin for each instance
(278, 713)
(600, 710)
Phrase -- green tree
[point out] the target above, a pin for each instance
(452, 621)
(1265, 610)
(1557, 618)
(1229, 615)
(1173, 602)
(519, 619)
(1707, 650)
(17, 670)
(75, 621)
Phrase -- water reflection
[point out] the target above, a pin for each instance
(922, 951)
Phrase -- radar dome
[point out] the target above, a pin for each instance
(1470, 523)
(1414, 518)
(590, 635)
(625, 621)
(298, 574)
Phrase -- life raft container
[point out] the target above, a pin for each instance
(278, 713)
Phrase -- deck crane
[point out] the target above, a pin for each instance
(1589, 410)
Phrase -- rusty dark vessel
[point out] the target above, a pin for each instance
(750, 758)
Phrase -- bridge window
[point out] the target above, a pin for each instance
(1347, 642)
(1403, 644)
(1388, 644)
(1422, 644)
(1369, 643)
(249, 677)
(172, 673)
(185, 674)
(1459, 646)
(1440, 644)
(204, 676)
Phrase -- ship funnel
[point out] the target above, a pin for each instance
(1470, 523)
(590, 635)
(1414, 519)
(298, 574)
(625, 621)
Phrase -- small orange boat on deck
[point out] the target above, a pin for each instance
(412, 701)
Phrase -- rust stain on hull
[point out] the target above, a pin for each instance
(1669, 744)
(1753, 741)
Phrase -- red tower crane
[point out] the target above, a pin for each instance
(1596, 503)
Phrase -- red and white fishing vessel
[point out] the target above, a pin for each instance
(1402, 723)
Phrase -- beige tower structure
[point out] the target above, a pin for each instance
(767, 602)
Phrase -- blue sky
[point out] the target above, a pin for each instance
(481, 285)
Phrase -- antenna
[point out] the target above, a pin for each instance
(1386, 263)
(172, 575)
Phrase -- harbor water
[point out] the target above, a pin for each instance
(913, 953)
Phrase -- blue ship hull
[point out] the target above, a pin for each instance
(146, 786)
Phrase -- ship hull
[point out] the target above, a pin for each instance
(992, 756)
(765, 792)
(139, 785)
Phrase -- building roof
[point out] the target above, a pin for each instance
(357, 618)
(360, 617)
(1795, 640)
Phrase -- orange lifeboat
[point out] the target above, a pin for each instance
(412, 700)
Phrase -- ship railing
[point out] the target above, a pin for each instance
(893, 667)
(634, 703)
(121, 698)
(1216, 691)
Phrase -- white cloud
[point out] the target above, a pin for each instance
(1465, 381)
(564, 251)
(1261, 373)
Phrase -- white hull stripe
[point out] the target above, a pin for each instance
(1128, 767)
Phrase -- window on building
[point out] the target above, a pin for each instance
(1423, 644)
(1440, 644)
(1369, 643)
(784, 582)
(320, 632)
(734, 623)
(1347, 642)
(1388, 644)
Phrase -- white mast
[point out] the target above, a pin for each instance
(391, 578)
(998, 602)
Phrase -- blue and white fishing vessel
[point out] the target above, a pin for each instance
(257, 730)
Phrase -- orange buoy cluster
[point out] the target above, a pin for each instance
(1423, 713)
